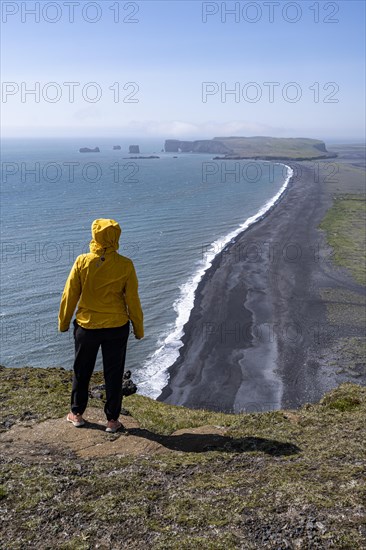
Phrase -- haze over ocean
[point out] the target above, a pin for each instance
(170, 209)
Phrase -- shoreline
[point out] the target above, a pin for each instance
(190, 287)
(215, 264)
(168, 391)
(270, 313)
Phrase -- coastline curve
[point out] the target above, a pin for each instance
(172, 343)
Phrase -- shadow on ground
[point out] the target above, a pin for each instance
(30, 439)
(188, 442)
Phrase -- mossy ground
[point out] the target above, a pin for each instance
(344, 225)
(293, 479)
(300, 148)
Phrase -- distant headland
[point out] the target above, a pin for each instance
(259, 147)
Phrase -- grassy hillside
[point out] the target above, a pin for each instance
(282, 479)
(269, 147)
(344, 224)
(344, 229)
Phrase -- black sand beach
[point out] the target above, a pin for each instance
(259, 336)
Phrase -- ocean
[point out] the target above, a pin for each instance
(176, 213)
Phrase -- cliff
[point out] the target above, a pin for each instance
(259, 147)
(200, 146)
(221, 481)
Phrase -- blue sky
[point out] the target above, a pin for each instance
(169, 54)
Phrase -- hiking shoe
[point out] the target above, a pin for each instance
(113, 426)
(76, 419)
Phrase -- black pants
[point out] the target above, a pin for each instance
(87, 342)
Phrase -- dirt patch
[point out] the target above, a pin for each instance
(52, 437)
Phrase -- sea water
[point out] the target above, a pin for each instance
(176, 213)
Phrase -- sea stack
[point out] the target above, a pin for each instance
(116, 147)
(134, 149)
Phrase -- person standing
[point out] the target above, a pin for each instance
(104, 286)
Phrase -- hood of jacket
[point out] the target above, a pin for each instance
(106, 234)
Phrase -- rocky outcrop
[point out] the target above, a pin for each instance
(134, 149)
(320, 146)
(116, 147)
(199, 146)
(128, 387)
(88, 150)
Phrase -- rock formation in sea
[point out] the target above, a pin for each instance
(134, 149)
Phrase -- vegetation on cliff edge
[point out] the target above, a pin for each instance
(286, 479)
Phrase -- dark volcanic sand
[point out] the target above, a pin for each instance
(258, 327)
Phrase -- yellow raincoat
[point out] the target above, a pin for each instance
(103, 284)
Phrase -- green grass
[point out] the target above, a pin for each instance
(344, 225)
(36, 393)
(165, 419)
(261, 146)
(284, 468)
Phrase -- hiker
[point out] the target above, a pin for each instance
(104, 286)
